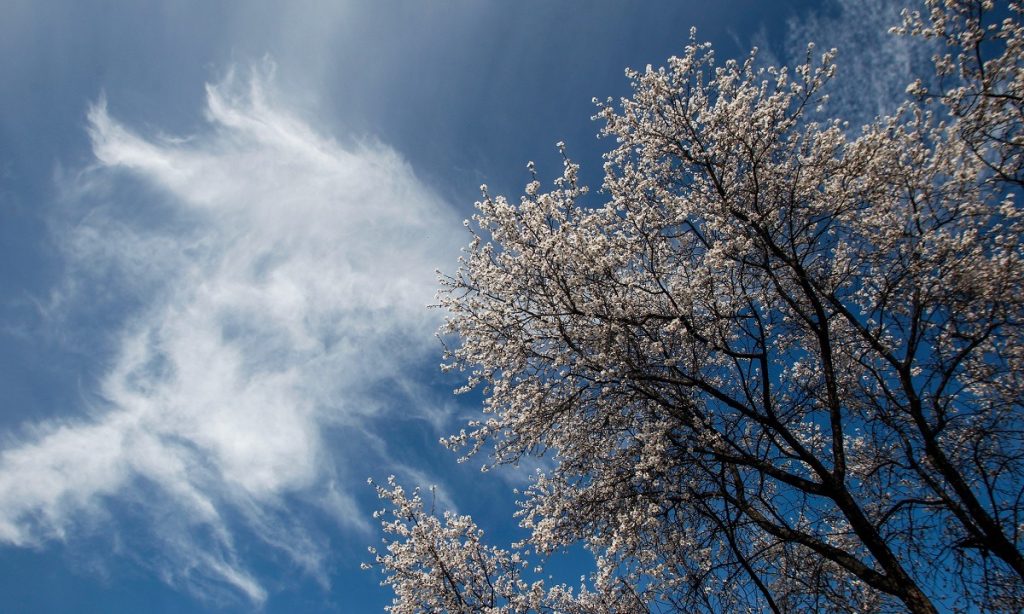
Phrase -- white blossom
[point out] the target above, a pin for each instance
(781, 368)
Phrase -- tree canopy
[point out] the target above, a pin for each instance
(780, 368)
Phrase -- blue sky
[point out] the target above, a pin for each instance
(220, 225)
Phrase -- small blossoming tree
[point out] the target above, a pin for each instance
(782, 368)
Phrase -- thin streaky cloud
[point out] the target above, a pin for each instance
(270, 279)
(874, 67)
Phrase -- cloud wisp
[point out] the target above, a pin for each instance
(874, 66)
(272, 279)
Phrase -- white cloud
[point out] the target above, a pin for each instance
(272, 279)
(874, 67)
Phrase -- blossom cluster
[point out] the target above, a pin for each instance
(781, 367)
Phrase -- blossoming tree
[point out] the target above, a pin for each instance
(782, 368)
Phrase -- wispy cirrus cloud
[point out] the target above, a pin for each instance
(271, 281)
(874, 66)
